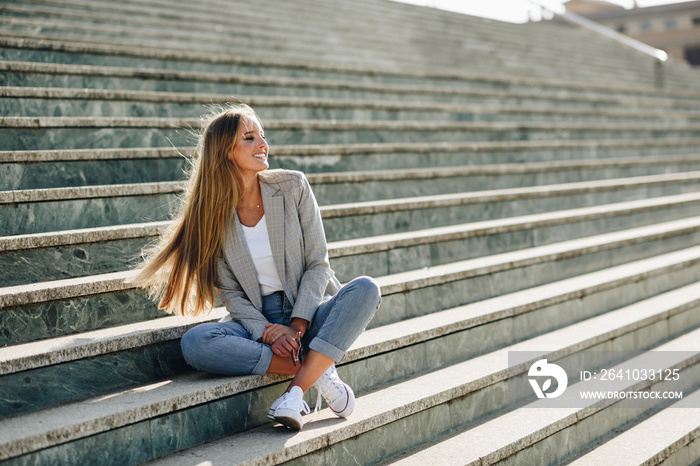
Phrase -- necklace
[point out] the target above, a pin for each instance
(250, 196)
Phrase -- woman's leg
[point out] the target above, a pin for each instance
(225, 348)
(340, 320)
(280, 365)
(315, 364)
(336, 325)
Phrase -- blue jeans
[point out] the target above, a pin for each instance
(227, 348)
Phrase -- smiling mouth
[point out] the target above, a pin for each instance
(260, 156)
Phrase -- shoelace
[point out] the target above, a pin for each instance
(334, 382)
(304, 406)
(318, 401)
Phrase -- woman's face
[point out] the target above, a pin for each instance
(250, 151)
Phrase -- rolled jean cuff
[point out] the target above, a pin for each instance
(327, 349)
(265, 359)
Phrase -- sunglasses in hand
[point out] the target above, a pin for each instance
(296, 354)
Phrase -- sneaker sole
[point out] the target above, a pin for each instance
(289, 421)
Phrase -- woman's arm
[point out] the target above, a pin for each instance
(237, 303)
(317, 270)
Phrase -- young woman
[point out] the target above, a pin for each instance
(256, 236)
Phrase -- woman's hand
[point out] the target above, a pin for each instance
(282, 339)
(284, 346)
(274, 331)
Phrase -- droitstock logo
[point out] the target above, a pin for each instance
(541, 369)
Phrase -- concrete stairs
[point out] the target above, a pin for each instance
(511, 195)
(444, 40)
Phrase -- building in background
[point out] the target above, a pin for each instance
(674, 28)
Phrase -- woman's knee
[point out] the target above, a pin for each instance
(191, 344)
(369, 289)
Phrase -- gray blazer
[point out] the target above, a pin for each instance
(299, 251)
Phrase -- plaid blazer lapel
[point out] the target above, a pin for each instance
(242, 263)
(273, 201)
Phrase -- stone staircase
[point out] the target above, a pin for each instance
(513, 188)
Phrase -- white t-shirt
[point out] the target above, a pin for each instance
(258, 240)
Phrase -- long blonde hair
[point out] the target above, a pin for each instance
(180, 271)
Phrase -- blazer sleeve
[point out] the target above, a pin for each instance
(236, 301)
(317, 269)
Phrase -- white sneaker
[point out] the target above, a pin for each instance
(338, 395)
(288, 408)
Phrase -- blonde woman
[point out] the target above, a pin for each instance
(256, 236)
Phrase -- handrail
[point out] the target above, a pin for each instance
(659, 55)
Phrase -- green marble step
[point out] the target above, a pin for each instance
(371, 47)
(379, 53)
(457, 283)
(384, 54)
(51, 309)
(71, 168)
(669, 437)
(351, 157)
(85, 56)
(31, 171)
(50, 20)
(452, 29)
(375, 185)
(413, 250)
(148, 27)
(530, 435)
(68, 307)
(161, 408)
(45, 133)
(34, 49)
(76, 253)
(293, 21)
(36, 211)
(77, 56)
(68, 52)
(130, 30)
(302, 48)
(149, 23)
(372, 218)
(385, 60)
(107, 302)
(42, 101)
(85, 53)
(68, 349)
(28, 369)
(228, 82)
(22, 170)
(459, 397)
